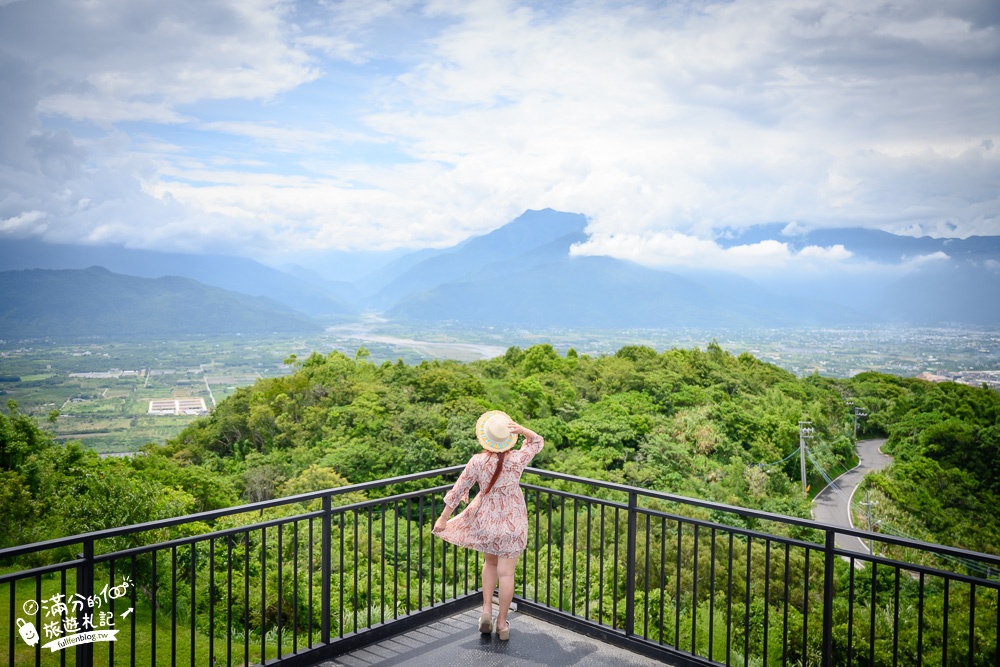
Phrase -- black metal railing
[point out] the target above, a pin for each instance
(699, 583)
(296, 580)
(293, 579)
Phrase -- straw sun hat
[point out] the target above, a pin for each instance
(492, 431)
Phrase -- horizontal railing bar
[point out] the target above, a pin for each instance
(215, 514)
(768, 516)
(576, 496)
(203, 537)
(908, 543)
(375, 502)
(36, 571)
(679, 517)
(735, 530)
(270, 523)
(920, 569)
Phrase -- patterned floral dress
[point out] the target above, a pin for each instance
(496, 523)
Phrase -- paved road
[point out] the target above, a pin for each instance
(832, 504)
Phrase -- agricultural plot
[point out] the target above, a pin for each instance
(103, 392)
(102, 388)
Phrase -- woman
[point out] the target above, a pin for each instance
(496, 521)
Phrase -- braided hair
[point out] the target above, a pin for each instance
(496, 473)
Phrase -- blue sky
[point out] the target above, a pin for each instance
(276, 128)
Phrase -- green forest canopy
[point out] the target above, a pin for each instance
(699, 423)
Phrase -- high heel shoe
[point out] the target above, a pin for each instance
(486, 623)
(503, 633)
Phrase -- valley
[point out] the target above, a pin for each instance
(102, 387)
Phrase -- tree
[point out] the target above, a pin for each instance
(261, 482)
(20, 437)
(20, 511)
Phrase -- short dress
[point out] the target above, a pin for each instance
(496, 523)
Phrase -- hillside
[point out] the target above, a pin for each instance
(701, 424)
(608, 293)
(236, 274)
(695, 419)
(522, 272)
(533, 237)
(94, 301)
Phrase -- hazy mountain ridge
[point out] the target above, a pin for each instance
(522, 272)
(871, 244)
(538, 283)
(600, 292)
(935, 280)
(487, 253)
(237, 274)
(95, 301)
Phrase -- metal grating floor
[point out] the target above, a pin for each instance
(455, 641)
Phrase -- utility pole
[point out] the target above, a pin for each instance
(805, 431)
(859, 413)
(868, 507)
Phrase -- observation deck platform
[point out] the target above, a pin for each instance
(611, 575)
(454, 641)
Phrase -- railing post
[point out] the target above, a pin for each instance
(85, 588)
(325, 572)
(630, 566)
(827, 660)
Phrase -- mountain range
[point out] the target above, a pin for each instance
(94, 301)
(523, 274)
(238, 274)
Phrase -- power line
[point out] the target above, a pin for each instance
(830, 482)
(771, 465)
(970, 565)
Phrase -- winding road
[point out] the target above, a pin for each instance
(833, 504)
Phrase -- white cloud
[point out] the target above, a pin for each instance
(257, 125)
(834, 253)
(649, 119)
(794, 228)
(109, 61)
(288, 138)
(20, 224)
(665, 250)
(919, 261)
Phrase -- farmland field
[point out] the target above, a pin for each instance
(101, 388)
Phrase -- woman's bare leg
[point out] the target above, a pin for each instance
(505, 572)
(490, 579)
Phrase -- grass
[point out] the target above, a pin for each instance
(170, 638)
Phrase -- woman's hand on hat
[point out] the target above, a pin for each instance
(514, 427)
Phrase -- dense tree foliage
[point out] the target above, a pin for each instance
(688, 421)
(944, 484)
(702, 423)
(50, 490)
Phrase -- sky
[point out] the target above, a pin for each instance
(278, 128)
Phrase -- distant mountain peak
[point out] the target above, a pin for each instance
(535, 235)
(533, 229)
(96, 301)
